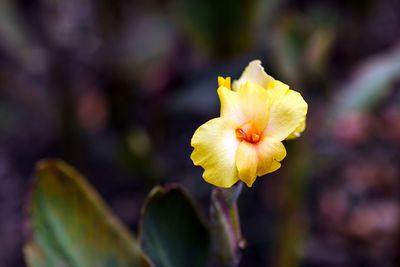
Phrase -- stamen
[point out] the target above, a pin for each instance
(240, 134)
(255, 137)
(248, 132)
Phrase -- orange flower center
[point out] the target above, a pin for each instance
(248, 132)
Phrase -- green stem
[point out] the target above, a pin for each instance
(227, 236)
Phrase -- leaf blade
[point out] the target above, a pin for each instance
(71, 225)
(172, 232)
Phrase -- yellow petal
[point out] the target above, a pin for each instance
(297, 132)
(276, 89)
(275, 165)
(230, 105)
(270, 151)
(287, 111)
(224, 82)
(246, 162)
(249, 104)
(215, 145)
(255, 73)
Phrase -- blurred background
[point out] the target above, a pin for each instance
(117, 88)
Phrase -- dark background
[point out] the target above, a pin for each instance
(117, 88)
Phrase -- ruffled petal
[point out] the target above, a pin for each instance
(255, 73)
(270, 151)
(215, 146)
(287, 112)
(249, 104)
(246, 162)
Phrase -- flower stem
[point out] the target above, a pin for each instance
(227, 236)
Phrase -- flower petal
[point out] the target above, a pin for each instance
(215, 145)
(288, 110)
(297, 132)
(275, 165)
(246, 162)
(270, 151)
(249, 104)
(224, 82)
(255, 73)
(230, 105)
(276, 89)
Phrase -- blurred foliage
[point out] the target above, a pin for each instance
(302, 48)
(221, 28)
(371, 82)
(172, 232)
(71, 226)
(292, 226)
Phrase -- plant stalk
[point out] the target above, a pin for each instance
(226, 232)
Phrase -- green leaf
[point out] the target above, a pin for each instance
(172, 232)
(71, 226)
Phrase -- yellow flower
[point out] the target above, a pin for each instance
(245, 141)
